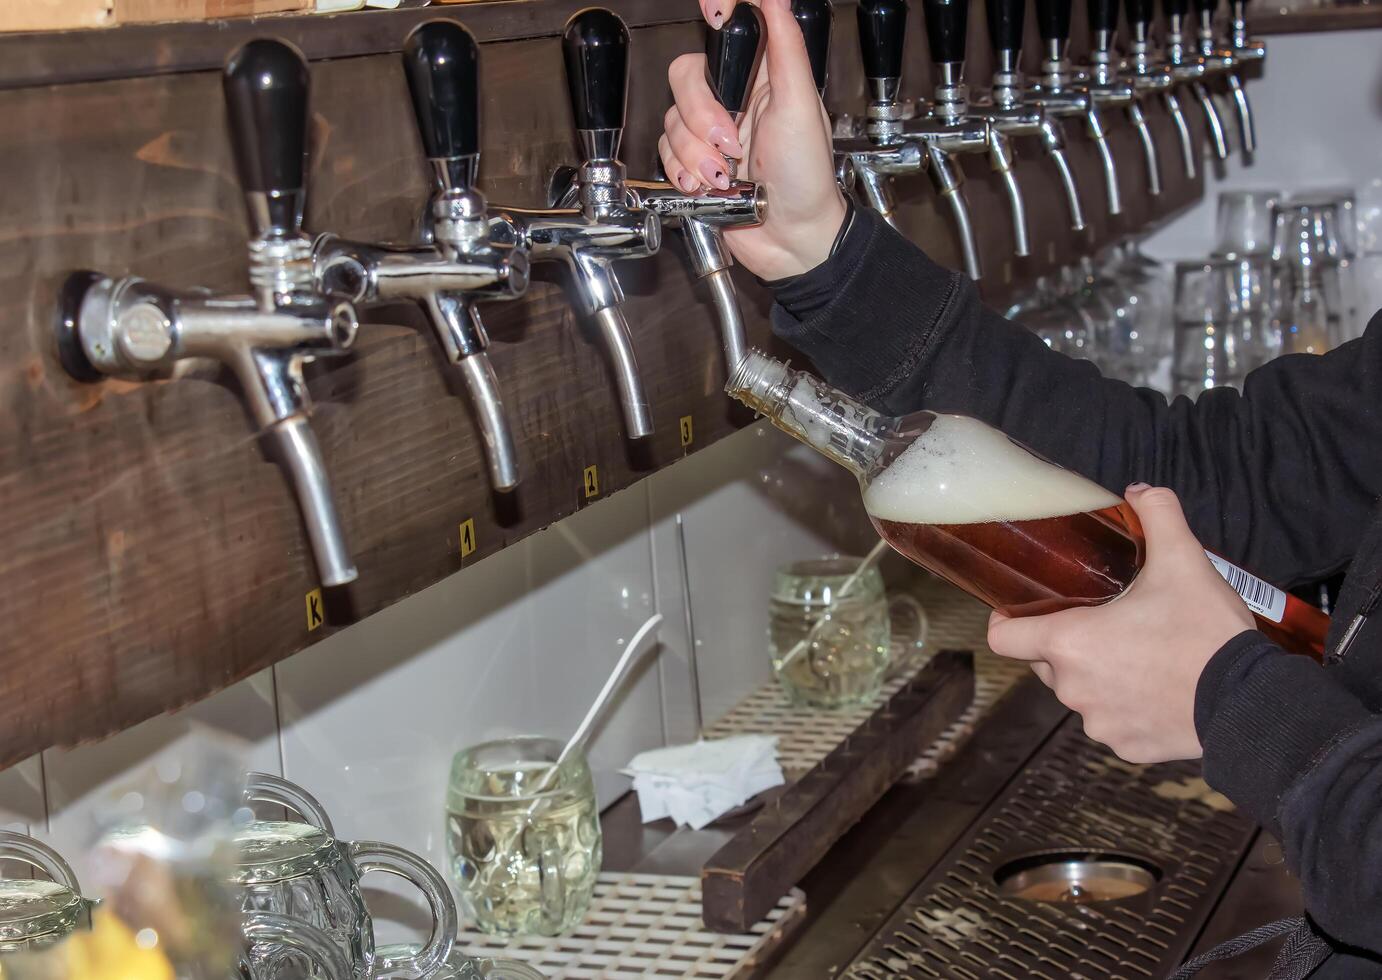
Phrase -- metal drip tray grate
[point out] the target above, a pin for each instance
(1075, 804)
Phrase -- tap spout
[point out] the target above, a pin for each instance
(1144, 132)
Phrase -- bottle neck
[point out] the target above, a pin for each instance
(808, 409)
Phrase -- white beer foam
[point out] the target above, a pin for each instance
(961, 471)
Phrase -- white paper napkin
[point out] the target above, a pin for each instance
(696, 783)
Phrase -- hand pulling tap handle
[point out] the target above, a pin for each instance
(441, 63)
(265, 84)
(732, 56)
(595, 48)
(816, 18)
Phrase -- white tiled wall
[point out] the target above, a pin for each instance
(1318, 110)
(369, 718)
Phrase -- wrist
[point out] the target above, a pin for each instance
(810, 243)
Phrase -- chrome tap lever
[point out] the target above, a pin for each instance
(130, 326)
(1187, 65)
(458, 263)
(1106, 87)
(947, 29)
(816, 18)
(603, 228)
(1150, 76)
(1228, 60)
(1060, 92)
(1004, 110)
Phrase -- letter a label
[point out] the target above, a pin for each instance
(592, 482)
(315, 615)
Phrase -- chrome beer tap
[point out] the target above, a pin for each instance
(1107, 88)
(1061, 94)
(894, 143)
(458, 264)
(732, 56)
(1150, 76)
(599, 226)
(1228, 59)
(1004, 110)
(1187, 65)
(130, 326)
(948, 121)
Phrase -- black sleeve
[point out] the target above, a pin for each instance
(1280, 478)
(1302, 756)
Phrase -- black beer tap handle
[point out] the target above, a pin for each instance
(442, 64)
(265, 83)
(1053, 19)
(882, 31)
(1206, 8)
(732, 54)
(816, 18)
(1139, 11)
(1175, 8)
(595, 47)
(1005, 19)
(1103, 15)
(947, 23)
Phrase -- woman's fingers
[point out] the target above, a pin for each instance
(715, 11)
(700, 110)
(789, 66)
(673, 168)
(697, 157)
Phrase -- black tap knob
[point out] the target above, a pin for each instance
(1005, 19)
(265, 83)
(1139, 12)
(1103, 15)
(947, 23)
(732, 54)
(817, 20)
(1175, 8)
(595, 47)
(1206, 8)
(442, 64)
(1053, 19)
(882, 31)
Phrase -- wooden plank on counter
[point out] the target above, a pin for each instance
(791, 834)
(154, 11)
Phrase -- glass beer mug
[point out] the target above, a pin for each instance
(36, 912)
(300, 870)
(985, 513)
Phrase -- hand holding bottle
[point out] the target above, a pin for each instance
(783, 141)
(1130, 667)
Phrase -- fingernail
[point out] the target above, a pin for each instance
(1138, 487)
(686, 182)
(726, 142)
(717, 18)
(714, 175)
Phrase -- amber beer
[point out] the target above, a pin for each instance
(960, 498)
(1026, 565)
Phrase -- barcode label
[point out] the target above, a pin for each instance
(1265, 599)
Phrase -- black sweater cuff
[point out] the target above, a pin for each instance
(813, 310)
(1265, 717)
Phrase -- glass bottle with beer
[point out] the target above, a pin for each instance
(985, 513)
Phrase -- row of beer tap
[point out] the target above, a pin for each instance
(304, 293)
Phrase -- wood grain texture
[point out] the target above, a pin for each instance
(152, 554)
(792, 833)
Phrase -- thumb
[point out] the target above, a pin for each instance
(1163, 521)
(789, 67)
(1018, 638)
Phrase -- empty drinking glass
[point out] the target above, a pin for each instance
(1245, 223)
(523, 836)
(832, 647)
(1208, 351)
